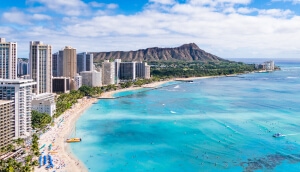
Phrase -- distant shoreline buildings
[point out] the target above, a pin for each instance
(267, 65)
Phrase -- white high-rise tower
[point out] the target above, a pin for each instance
(8, 59)
(40, 70)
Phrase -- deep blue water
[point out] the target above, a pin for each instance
(216, 124)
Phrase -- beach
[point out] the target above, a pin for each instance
(63, 158)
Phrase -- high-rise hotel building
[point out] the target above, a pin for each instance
(8, 59)
(127, 71)
(6, 124)
(108, 72)
(40, 62)
(57, 63)
(117, 70)
(20, 93)
(69, 62)
(142, 70)
(84, 62)
(22, 67)
(70, 65)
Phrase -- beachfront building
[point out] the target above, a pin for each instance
(147, 72)
(269, 65)
(84, 62)
(40, 62)
(78, 81)
(22, 67)
(70, 65)
(57, 63)
(69, 62)
(117, 70)
(91, 78)
(61, 84)
(20, 92)
(142, 70)
(127, 71)
(6, 125)
(8, 59)
(108, 72)
(44, 103)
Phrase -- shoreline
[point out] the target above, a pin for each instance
(63, 157)
(63, 128)
(110, 94)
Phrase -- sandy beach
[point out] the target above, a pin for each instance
(63, 159)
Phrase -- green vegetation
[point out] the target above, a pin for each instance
(40, 121)
(12, 165)
(35, 144)
(66, 100)
(198, 69)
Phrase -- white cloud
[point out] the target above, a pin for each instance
(96, 4)
(245, 10)
(218, 2)
(5, 30)
(112, 6)
(41, 17)
(227, 28)
(293, 1)
(163, 1)
(71, 7)
(68, 7)
(16, 16)
(103, 5)
(276, 12)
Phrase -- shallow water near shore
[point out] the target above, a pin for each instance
(215, 124)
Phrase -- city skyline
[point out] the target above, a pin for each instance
(226, 28)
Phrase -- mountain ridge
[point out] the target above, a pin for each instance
(185, 52)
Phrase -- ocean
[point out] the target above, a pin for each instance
(215, 124)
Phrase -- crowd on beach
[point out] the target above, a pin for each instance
(53, 141)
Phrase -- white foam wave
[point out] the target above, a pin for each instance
(292, 134)
(172, 111)
(292, 77)
(158, 117)
(177, 86)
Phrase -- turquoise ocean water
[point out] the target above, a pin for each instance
(216, 124)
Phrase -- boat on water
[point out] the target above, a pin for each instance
(73, 140)
(278, 135)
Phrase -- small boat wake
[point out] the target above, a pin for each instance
(283, 135)
(294, 134)
(278, 135)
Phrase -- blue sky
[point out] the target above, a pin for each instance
(227, 28)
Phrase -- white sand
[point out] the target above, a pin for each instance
(64, 125)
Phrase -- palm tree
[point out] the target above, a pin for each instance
(2, 165)
(10, 147)
(3, 149)
(26, 168)
(19, 142)
(10, 165)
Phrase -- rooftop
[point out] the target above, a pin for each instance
(5, 101)
(16, 81)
